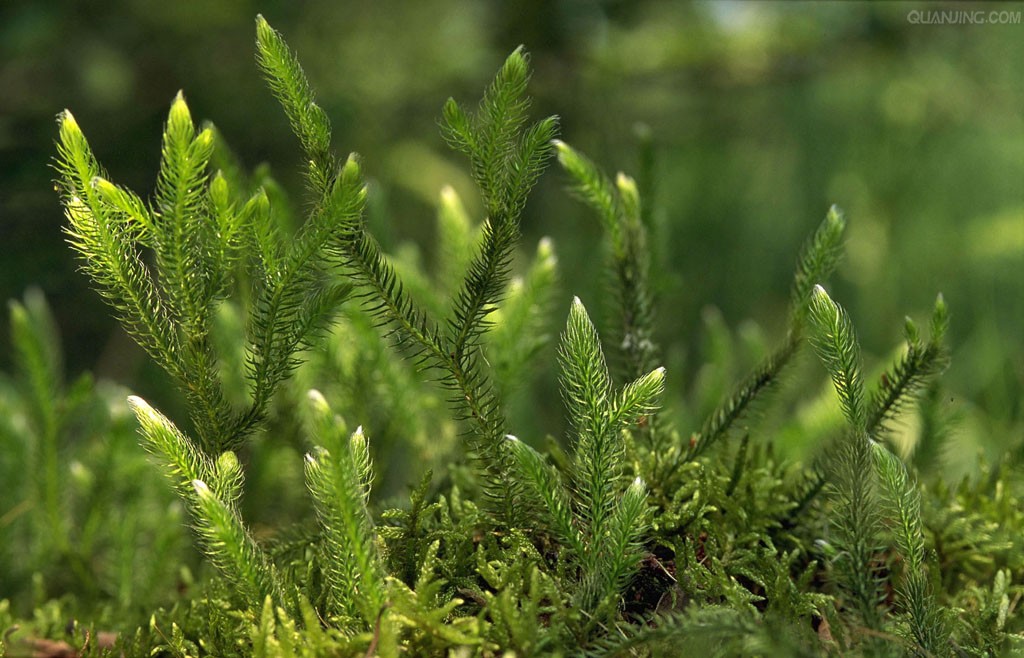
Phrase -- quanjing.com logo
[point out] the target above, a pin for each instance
(951, 17)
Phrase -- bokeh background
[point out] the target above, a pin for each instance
(759, 116)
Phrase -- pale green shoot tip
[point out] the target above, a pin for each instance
(941, 310)
(179, 110)
(449, 197)
(219, 189)
(546, 251)
(103, 186)
(205, 138)
(67, 121)
(228, 461)
(351, 167)
(564, 152)
(317, 399)
(140, 407)
(626, 184)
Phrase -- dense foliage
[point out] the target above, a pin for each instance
(632, 536)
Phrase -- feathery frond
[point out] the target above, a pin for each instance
(598, 519)
(231, 548)
(288, 81)
(856, 522)
(196, 234)
(836, 343)
(736, 405)
(338, 476)
(587, 390)
(593, 187)
(902, 500)
(181, 459)
(225, 540)
(297, 297)
(919, 365)
(616, 552)
(818, 258)
(483, 285)
(103, 235)
(547, 486)
(189, 276)
(505, 160)
(180, 222)
(618, 207)
(856, 518)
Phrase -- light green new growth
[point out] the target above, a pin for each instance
(505, 159)
(104, 235)
(921, 363)
(588, 396)
(225, 539)
(902, 500)
(856, 518)
(625, 220)
(183, 461)
(197, 230)
(338, 475)
(618, 206)
(818, 259)
(598, 414)
(599, 521)
(869, 483)
(527, 554)
(232, 549)
(836, 343)
(616, 554)
(546, 483)
(228, 479)
(309, 122)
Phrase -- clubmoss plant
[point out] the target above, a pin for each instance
(632, 537)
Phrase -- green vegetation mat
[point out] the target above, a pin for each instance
(342, 473)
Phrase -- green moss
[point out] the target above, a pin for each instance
(638, 535)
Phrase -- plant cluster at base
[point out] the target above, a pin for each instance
(629, 538)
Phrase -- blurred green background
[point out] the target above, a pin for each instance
(761, 114)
